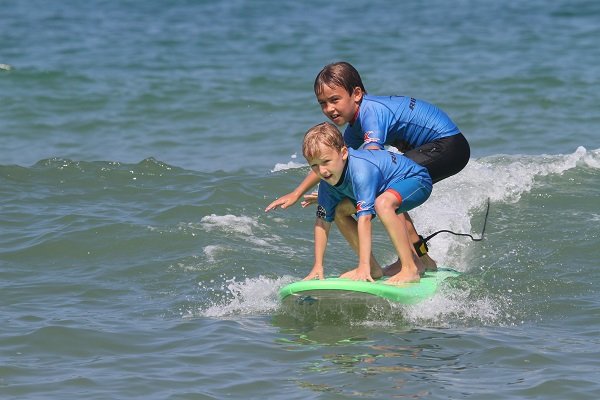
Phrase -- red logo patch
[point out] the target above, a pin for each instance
(368, 139)
(360, 206)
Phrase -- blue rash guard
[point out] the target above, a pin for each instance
(399, 121)
(369, 173)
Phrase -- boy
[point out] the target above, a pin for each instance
(378, 182)
(422, 131)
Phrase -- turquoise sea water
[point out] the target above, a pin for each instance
(141, 142)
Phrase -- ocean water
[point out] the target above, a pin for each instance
(141, 142)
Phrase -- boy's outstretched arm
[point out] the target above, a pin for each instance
(291, 198)
(363, 271)
(322, 228)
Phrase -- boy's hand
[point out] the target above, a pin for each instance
(284, 202)
(309, 199)
(358, 274)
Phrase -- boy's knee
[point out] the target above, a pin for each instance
(385, 203)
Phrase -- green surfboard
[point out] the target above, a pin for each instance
(346, 289)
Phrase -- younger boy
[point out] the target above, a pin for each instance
(378, 182)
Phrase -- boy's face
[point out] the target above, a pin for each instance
(338, 105)
(329, 163)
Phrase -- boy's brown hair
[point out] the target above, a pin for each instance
(325, 134)
(341, 74)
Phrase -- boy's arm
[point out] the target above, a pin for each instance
(289, 199)
(374, 126)
(363, 271)
(322, 228)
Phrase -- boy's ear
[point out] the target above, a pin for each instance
(357, 94)
(344, 153)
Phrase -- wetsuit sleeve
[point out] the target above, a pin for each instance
(375, 119)
(366, 178)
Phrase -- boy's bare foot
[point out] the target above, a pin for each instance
(410, 274)
(405, 276)
(429, 264)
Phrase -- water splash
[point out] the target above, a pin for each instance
(247, 228)
(251, 296)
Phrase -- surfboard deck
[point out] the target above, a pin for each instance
(308, 292)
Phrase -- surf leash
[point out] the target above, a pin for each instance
(480, 238)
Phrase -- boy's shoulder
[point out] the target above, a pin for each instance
(378, 159)
(366, 157)
(384, 104)
(367, 153)
(374, 100)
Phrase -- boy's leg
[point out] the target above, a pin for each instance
(428, 262)
(349, 229)
(443, 158)
(396, 226)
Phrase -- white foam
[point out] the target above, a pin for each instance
(581, 157)
(229, 223)
(591, 159)
(246, 228)
(289, 165)
(212, 251)
(457, 306)
(251, 296)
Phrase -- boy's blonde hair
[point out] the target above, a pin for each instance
(325, 134)
(341, 74)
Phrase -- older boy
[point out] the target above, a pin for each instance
(378, 182)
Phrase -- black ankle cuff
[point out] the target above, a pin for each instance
(421, 247)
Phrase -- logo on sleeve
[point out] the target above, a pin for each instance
(368, 139)
(360, 206)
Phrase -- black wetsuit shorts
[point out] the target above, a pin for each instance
(443, 157)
